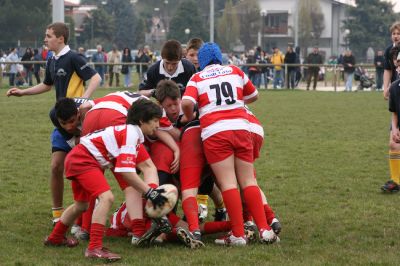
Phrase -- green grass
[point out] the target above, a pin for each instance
(324, 159)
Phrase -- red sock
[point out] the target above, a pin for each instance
(58, 233)
(234, 208)
(173, 218)
(269, 213)
(253, 199)
(138, 227)
(87, 215)
(246, 213)
(190, 209)
(96, 236)
(216, 227)
(116, 232)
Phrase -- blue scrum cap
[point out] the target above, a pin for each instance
(209, 53)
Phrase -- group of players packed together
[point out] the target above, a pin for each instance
(187, 125)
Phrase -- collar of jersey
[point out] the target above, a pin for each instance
(176, 73)
(65, 50)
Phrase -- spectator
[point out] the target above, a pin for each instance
(99, 57)
(254, 71)
(114, 57)
(349, 67)
(290, 58)
(126, 69)
(277, 60)
(28, 68)
(378, 62)
(142, 58)
(312, 72)
(298, 68)
(265, 70)
(81, 51)
(36, 67)
(12, 57)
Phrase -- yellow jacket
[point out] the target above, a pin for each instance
(277, 59)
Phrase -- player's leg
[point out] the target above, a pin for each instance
(394, 162)
(220, 211)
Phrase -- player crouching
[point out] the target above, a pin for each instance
(84, 167)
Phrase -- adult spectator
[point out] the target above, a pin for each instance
(290, 58)
(349, 67)
(114, 57)
(28, 68)
(312, 72)
(143, 59)
(126, 69)
(254, 71)
(12, 57)
(379, 62)
(36, 67)
(277, 60)
(98, 57)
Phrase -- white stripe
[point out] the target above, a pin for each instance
(190, 98)
(124, 170)
(111, 105)
(257, 129)
(251, 95)
(95, 152)
(225, 125)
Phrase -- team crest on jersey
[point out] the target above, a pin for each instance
(61, 72)
(216, 71)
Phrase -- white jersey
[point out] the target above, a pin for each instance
(220, 92)
(115, 146)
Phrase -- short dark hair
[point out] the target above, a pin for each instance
(60, 29)
(171, 50)
(194, 43)
(167, 88)
(65, 108)
(143, 110)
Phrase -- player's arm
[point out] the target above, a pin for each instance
(38, 89)
(93, 85)
(175, 133)
(387, 76)
(188, 109)
(167, 139)
(251, 99)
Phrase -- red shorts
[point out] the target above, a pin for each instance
(220, 146)
(87, 176)
(142, 155)
(257, 145)
(102, 118)
(162, 156)
(192, 160)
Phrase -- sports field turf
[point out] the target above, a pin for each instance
(322, 166)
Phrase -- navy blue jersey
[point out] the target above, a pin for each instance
(388, 63)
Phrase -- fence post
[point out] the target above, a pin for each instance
(286, 81)
(334, 77)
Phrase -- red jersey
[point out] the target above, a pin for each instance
(115, 146)
(121, 101)
(220, 92)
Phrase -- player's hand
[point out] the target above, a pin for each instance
(175, 162)
(15, 92)
(155, 196)
(386, 94)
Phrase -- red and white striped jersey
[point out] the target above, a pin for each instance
(220, 92)
(121, 101)
(118, 219)
(115, 146)
(255, 125)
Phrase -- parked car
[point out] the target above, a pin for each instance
(89, 53)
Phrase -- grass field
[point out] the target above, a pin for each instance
(322, 165)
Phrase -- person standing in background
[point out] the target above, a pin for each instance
(28, 68)
(290, 58)
(99, 57)
(114, 57)
(36, 67)
(12, 57)
(379, 62)
(312, 72)
(126, 69)
(349, 67)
